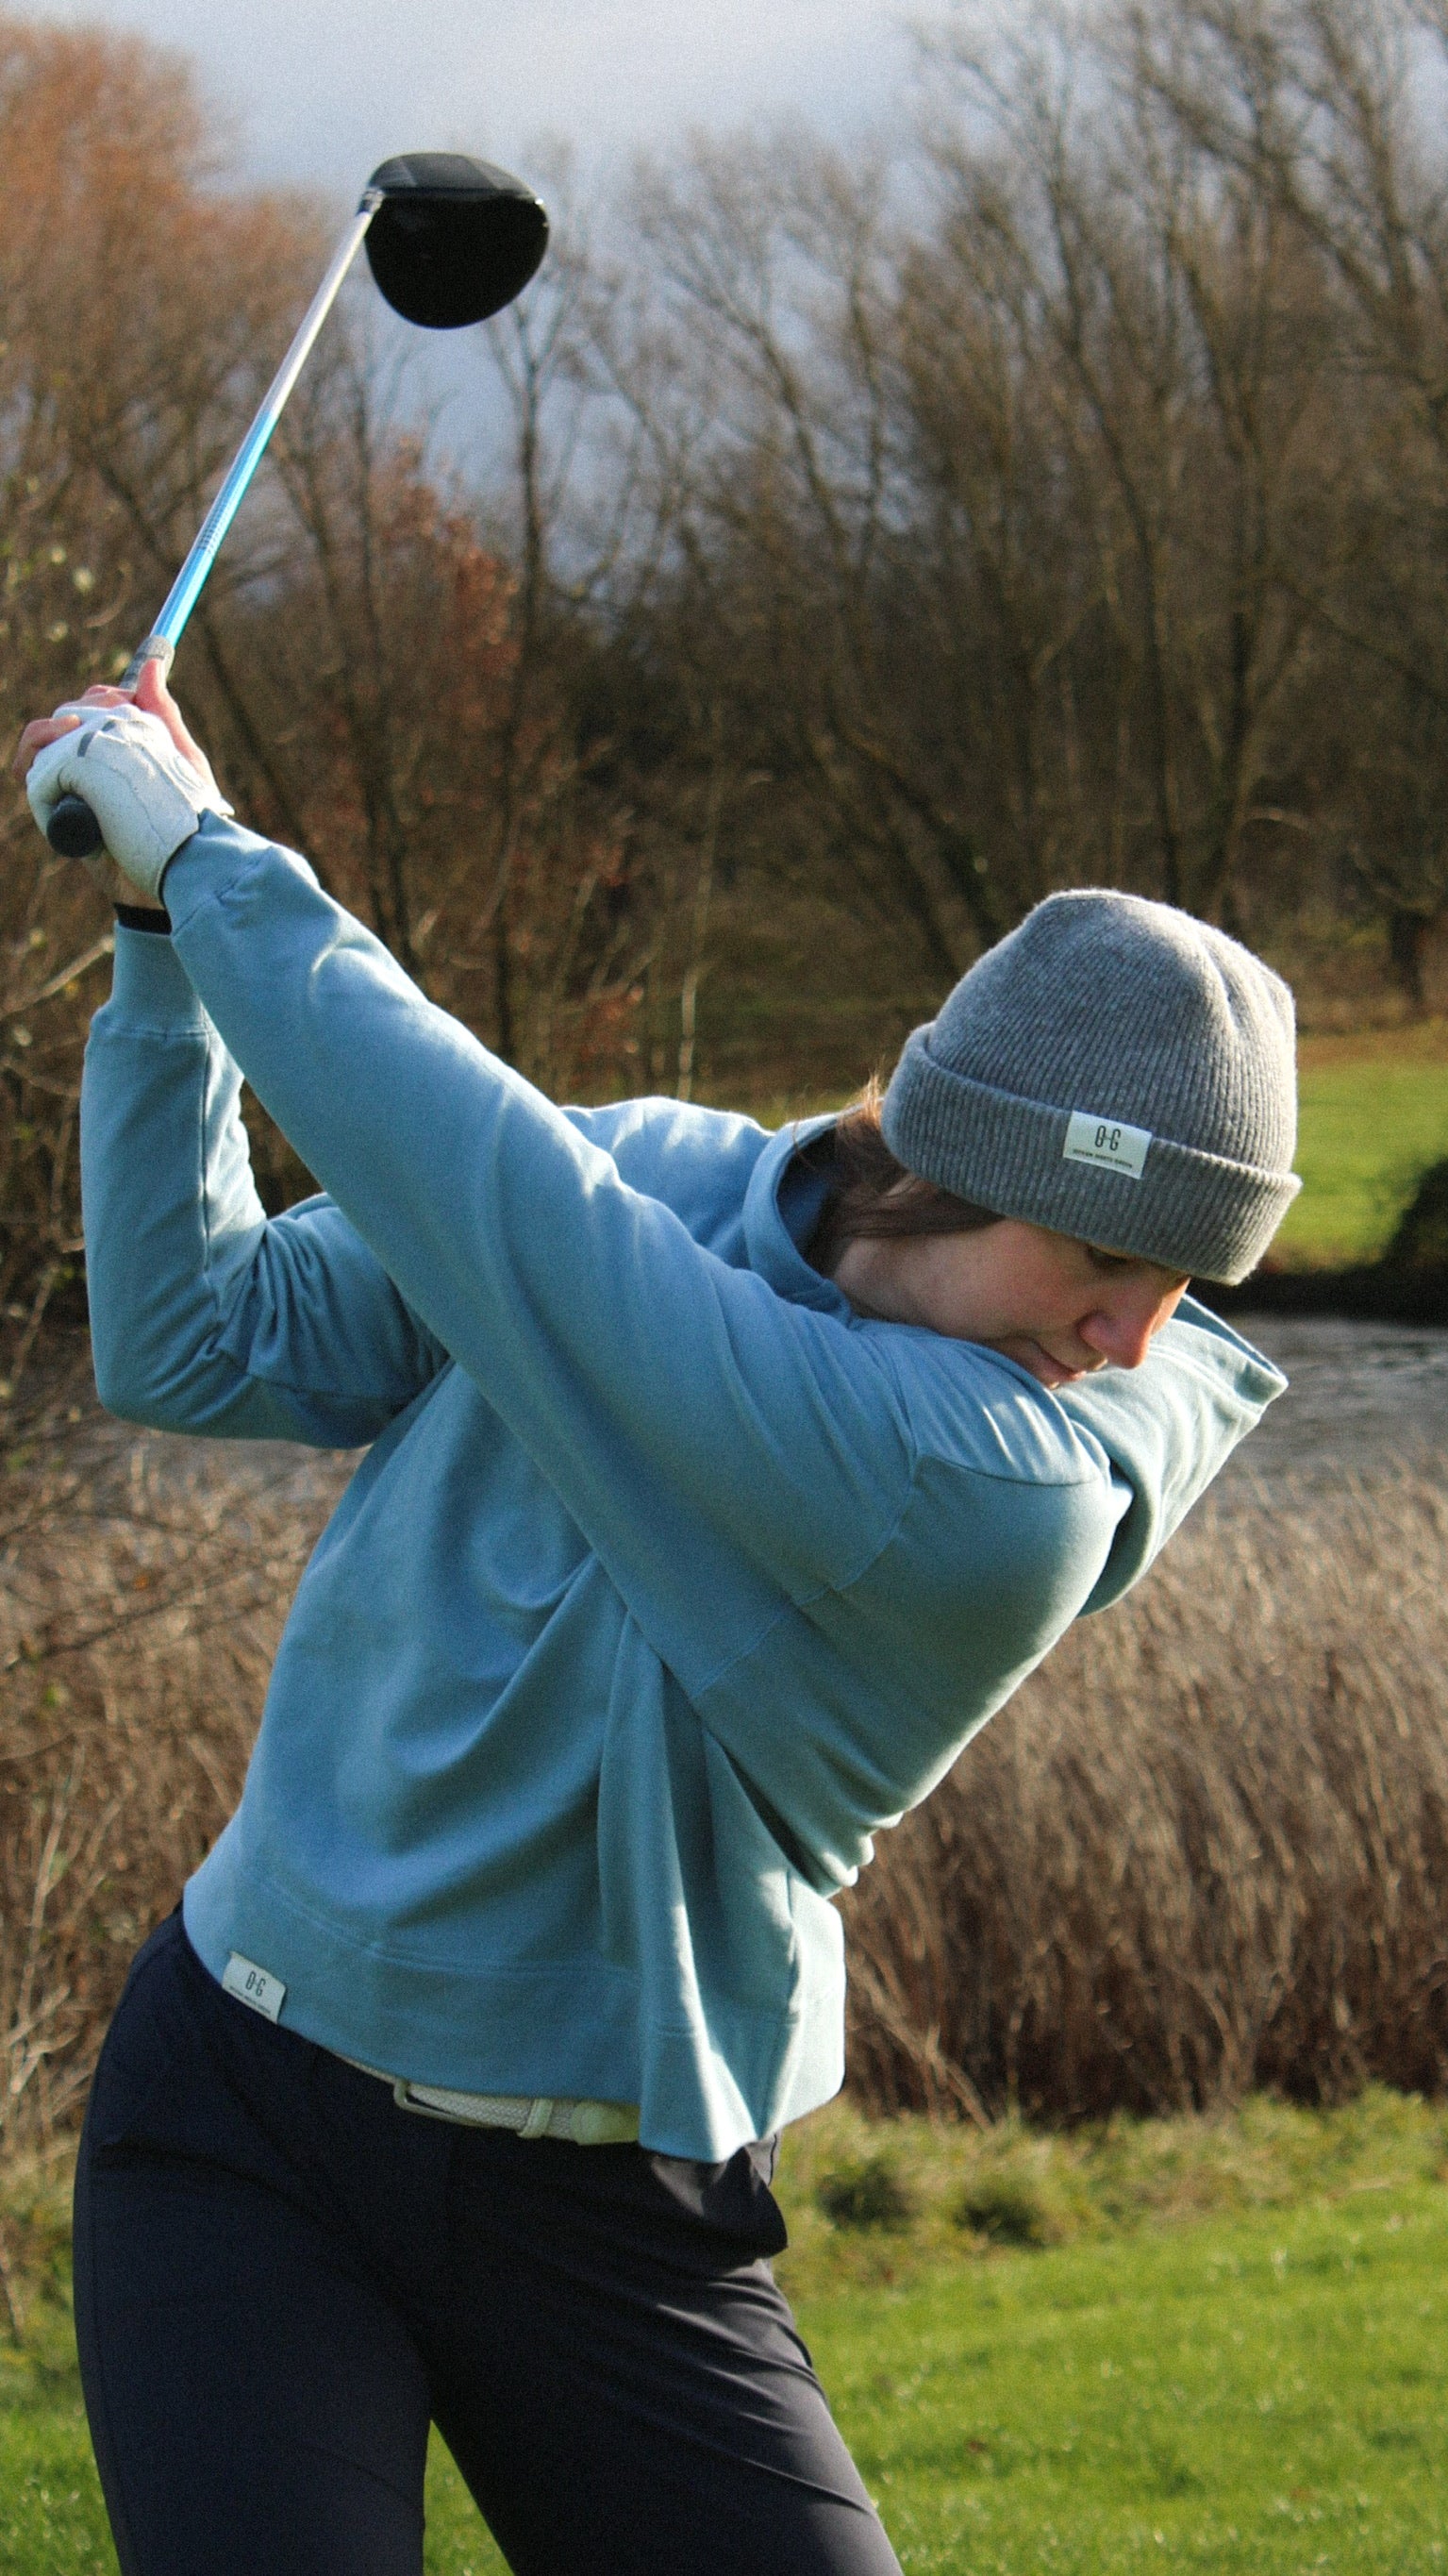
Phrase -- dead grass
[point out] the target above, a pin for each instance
(1204, 1853)
(1415, 1041)
(142, 1589)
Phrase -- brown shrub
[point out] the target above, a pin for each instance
(1205, 1850)
(143, 1584)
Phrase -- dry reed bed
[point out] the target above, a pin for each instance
(143, 1585)
(1205, 1850)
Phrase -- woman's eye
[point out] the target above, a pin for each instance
(1173, 1281)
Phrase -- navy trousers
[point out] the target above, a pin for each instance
(282, 2278)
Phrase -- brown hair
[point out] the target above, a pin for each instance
(872, 1194)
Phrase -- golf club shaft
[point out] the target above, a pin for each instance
(187, 587)
(73, 830)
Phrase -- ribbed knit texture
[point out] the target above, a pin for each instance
(1129, 1012)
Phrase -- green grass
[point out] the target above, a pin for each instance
(1216, 2345)
(1262, 2393)
(1209, 2344)
(1374, 1115)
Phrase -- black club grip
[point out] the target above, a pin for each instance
(73, 832)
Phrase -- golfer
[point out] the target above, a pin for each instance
(717, 1486)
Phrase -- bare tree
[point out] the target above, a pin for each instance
(1170, 311)
(1317, 107)
(113, 409)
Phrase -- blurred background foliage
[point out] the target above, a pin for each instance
(870, 545)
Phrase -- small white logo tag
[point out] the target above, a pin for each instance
(252, 1985)
(1107, 1144)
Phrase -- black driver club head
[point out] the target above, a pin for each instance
(454, 239)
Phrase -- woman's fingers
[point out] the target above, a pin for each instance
(154, 699)
(151, 695)
(45, 730)
(48, 729)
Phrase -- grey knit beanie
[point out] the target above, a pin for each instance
(1119, 1072)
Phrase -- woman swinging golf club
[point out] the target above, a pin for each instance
(718, 1486)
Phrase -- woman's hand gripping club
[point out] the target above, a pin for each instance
(145, 778)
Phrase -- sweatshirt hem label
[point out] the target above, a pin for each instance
(253, 1985)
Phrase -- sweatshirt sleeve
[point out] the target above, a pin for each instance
(656, 1385)
(1168, 1428)
(205, 1316)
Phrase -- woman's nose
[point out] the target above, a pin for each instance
(1121, 1327)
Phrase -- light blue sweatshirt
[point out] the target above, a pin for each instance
(665, 1582)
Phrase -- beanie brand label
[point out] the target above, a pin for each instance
(1105, 1143)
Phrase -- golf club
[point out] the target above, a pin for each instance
(449, 241)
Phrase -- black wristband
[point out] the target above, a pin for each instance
(136, 916)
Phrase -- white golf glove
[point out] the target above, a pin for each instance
(145, 795)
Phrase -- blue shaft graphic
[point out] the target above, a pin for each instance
(73, 830)
(187, 587)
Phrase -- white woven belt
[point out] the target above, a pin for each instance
(587, 2124)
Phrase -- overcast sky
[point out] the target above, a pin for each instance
(321, 90)
(317, 92)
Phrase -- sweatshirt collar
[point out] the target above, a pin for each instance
(781, 1210)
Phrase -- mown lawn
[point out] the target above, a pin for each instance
(1261, 2393)
(1374, 1115)
(1218, 2345)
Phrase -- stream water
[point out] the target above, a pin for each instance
(1363, 1400)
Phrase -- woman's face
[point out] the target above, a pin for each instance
(1059, 1307)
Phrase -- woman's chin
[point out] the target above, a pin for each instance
(1050, 1373)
